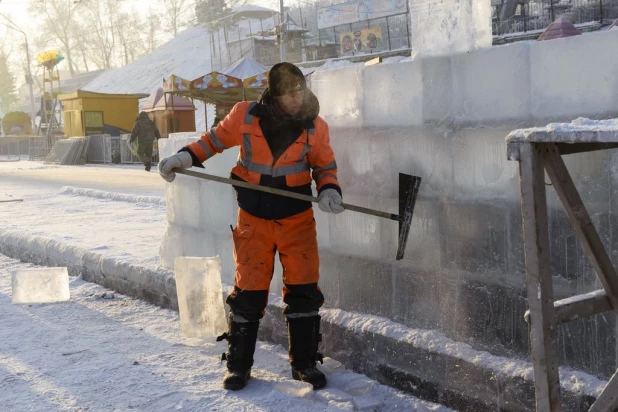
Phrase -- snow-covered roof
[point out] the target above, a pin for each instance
(187, 55)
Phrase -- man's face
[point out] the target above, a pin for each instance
(291, 103)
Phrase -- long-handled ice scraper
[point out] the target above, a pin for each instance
(408, 191)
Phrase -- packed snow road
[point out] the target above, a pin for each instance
(125, 178)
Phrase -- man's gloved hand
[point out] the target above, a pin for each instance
(180, 160)
(330, 201)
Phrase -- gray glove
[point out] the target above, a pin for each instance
(330, 201)
(180, 160)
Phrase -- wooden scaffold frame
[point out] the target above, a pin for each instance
(537, 151)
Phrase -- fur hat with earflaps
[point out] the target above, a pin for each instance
(285, 78)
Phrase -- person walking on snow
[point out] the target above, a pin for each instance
(283, 144)
(145, 131)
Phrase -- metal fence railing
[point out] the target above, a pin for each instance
(530, 15)
(379, 35)
(14, 148)
(127, 156)
(366, 37)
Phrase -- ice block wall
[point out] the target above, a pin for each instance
(445, 119)
(444, 27)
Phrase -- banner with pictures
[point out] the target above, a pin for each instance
(359, 10)
(361, 40)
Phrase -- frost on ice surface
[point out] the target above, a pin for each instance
(40, 285)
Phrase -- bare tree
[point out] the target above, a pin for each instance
(129, 40)
(81, 51)
(8, 94)
(173, 11)
(151, 29)
(58, 24)
(100, 17)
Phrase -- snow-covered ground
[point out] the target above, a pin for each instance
(102, 353)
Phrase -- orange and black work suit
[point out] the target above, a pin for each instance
(284, 153)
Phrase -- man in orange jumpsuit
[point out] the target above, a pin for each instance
(283, 144)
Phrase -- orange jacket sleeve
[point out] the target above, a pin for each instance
(225, 135)
(322, 159)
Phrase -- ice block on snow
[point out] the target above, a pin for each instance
(200, 297)
(294, 388)
(330, 366)
(40, 285)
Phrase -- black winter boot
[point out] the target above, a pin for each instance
(304, 337)
(241, 346)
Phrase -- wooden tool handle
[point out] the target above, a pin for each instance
(282, 192)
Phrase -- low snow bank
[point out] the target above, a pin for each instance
(154, 285)
(101, 194)
(436, 342)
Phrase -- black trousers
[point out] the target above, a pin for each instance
(144, 152)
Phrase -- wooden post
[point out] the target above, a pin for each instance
(608, 400)
(580, 219)
(539, 280)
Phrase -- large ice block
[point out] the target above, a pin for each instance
(341, 95)
(449, 26)
(40, 285)
(400, 100)
(501, 94)
(573, 77)
(200, 297)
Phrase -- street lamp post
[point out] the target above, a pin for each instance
(282, 33)
(29, 78)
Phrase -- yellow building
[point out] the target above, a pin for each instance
(89, 113)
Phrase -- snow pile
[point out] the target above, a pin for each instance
(123, 197)
(579, 130)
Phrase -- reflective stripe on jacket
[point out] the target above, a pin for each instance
(311, 151)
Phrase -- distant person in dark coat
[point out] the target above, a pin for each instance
(145, 131)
